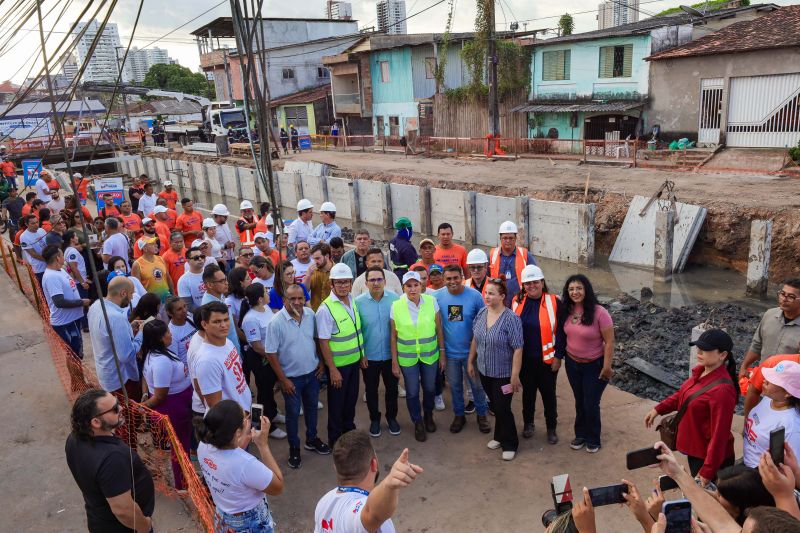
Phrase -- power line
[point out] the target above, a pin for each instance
(585, 12)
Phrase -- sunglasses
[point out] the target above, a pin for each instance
(247, 255)
(116, 408)
(497, 280)
(198, 258)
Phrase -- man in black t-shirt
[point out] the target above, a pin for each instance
(13, 205)
(136, 191)
(106, 469)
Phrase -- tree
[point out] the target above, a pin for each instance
(566, 24)
(177, 78)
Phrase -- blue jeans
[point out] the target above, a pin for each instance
(587, 387)
(413, 375)
(456, 371)
(306, 390)
(71, 333)
(256, 520)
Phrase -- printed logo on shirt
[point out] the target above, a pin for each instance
(327, 525)
(357, 507)
(211, 464)
(72, 257)
(749, 434)
(234, 363)
(71, 283)
(158, 274)
(455, 313)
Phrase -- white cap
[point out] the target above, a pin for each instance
(327, 206)
(508, 227)
(159, 209)
(209, 223)
(245, 205)
(167, 183)
(477, 257)
(531, 273)
(260, 235)
(147, 220)
(341, 271)
(220, 210)
(270, 221)
(408, 276)
(77, 175)
(304, 204)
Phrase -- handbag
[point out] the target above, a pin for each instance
(668, 427)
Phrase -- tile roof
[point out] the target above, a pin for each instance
(569, 108)
(306, 96)
(8, 88)
(779, 29)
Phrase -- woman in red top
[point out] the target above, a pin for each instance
(704, 432)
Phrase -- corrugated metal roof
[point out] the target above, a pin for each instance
(306, 96)
(569, 108)
(44, 109)
(175, 107)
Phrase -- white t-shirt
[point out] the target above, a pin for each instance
(42, 190)
(208, 261)
(300, 270)
(147, 203)
(268, 283)
(760, 421)
(181, 337)
(36, 243)
(191, 356)
(160, 371)
(219, 368)
(235, 305)
(223, 237)
(116, 244)
(216, 248)
(255, 325)
(235, 478)
(192, 285)
(56, 282)
(71, 255)
(340, 512)
(55, 206)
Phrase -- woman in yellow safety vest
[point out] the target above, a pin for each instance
(545, 347)
(417, 346)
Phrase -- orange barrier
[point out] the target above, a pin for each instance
(153, 437)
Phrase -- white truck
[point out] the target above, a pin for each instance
(219, 118)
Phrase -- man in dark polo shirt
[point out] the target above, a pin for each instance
(106, 469)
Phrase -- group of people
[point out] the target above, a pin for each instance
(195, 318)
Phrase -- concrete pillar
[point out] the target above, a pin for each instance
(192, 180)
(257, 187)
(662, 250)
(355, 216)
(758, 258)
(388, 215)
(221, 180)
(298, 187)
(470, 224)
(238, 183)
(207, 182)
(521, 204)
(425, 209)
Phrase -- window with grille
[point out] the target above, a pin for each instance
(288, 73)
(555, 65)
(430, 68)
(322, 72)
(297, 115)
(615, 61)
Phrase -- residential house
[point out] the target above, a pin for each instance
(28, 120)
(310, 111)
(8, 91)
(739, 86)
(596, 85)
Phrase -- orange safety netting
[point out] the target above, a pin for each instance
(150, 433)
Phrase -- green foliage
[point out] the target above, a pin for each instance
(794, 153)
(713, 5)
(177, 78)
(513, 67)
(566, 24)
(441, 61)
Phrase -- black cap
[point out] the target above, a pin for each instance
(714, 339)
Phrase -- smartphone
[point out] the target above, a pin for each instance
(256, 411)
(776, 438)
(608, 495)
(679, 516)
(641, 458)
(666, 483)
(507, 388)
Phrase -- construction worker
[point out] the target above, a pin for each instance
(478, 265)
(417, 350)
(328, 228)
(402, 253)
(246, 225)
(342, 346)
(301, 229)
(508, 259)
(223, 233)
(263, 213)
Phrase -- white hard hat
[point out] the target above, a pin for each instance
(270, 221)
(508, 227)
(147, 220)
(408, 276)
(159, 209)
(477, 257)
(220, 210)
(245, 205)
(327, 206)
(209, 223)
(167, 183)
(341, 271)
(304, 204)
(531, 273)
(77, 175)
(260, 235)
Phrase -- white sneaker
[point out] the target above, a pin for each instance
(493, 444)
(279, 419)
(277, 434)
(439, 403)
(365, 397)
(319, 405)
(508, 456)
(401, 392)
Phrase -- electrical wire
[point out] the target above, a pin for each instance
(584, 12)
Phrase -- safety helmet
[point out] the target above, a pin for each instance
(508, 227)
(341, 271)
(477, 257)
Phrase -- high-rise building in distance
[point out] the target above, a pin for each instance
(392, 17)
(336, 10)
(102, 65)
(140, 61)
(616, 13)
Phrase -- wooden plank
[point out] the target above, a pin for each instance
(654, 372)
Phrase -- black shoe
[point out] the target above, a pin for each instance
(419, 432)
(294, 458)
(483, 424)
(577, 443)
(527, 430)
(470, 408)
(458, 424)
(375, 428)
(430, 425)
(318, 446)
(394, 427)
(552, 437)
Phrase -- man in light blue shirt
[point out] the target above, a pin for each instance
(458, 306)
(328, 229)
(374, 308)
(216, 284)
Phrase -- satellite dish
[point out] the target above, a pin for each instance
(692, 11)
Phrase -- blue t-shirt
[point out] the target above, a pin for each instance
(276, 301)
(458, 312)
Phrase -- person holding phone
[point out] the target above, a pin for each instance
(239, 483)
(589, 330)
(704, 431)
(497, 345)
(779, 408)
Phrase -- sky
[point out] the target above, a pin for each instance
(160, 17)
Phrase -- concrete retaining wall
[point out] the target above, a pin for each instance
(342, 192)
(491, 211)
(311, 168)
(411, 201)
(289, 185)
(457, 208)
(374, 203)
(314, 189)
(561, 230)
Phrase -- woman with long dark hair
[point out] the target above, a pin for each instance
(170, 389)
(284, 278)
(590, 349)
(238, 481)
(710, 395)
(238, 281)
(149, 306)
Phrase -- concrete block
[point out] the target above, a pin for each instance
(229, 180)
(198, 169)
(247, 179)
(663, 246)
(491, 211)
(375, 203)
(562, 230)
(313, 189)
(412, 201)
(457, 208)
(311, 168)
(758, 258)
(213, 178)
(342, 192)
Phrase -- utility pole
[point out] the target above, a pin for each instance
(124, 96)
(227, 73)
(494, 115)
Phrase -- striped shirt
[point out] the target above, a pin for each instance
(496, 345)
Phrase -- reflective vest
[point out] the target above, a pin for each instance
(416, 342)
(547, 323)
(261, 224)
(520, 261)
(347, 346)
(468, 283)
(246, 237)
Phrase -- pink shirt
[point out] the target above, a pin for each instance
(585, 343)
